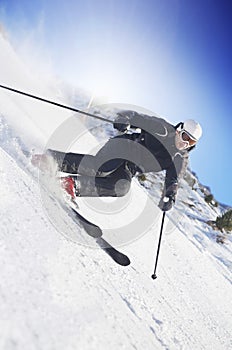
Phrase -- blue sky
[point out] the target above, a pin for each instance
(170, 56)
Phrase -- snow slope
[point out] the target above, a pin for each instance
(58, 294)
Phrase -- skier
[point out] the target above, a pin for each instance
(152, 146)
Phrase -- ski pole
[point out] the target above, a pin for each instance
(55, 103)
(154, 276)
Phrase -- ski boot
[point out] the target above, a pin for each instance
(69, 184)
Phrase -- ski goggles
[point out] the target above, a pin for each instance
(186, 137)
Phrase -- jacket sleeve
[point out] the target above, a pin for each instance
(142, 121)
(174, 173)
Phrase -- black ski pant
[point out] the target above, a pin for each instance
(95, 176)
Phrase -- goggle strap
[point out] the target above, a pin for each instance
(179, 125)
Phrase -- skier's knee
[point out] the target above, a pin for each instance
(122, 187)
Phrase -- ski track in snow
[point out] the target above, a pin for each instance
(55, 294)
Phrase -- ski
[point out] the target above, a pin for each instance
(90, 228)
(96, 232)
(115, 254)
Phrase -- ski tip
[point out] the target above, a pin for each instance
(115, 254)
(126, 262)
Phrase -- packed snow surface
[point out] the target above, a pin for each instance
(56, 293)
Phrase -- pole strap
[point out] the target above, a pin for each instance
(56, 104)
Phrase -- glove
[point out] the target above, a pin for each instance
(166, 203)
(121, 123)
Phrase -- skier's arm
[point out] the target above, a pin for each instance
(173, 174)
(132, 119)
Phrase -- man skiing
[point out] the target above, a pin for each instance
(157, 146)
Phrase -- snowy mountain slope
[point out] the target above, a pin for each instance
(55, 294)
(51, 290)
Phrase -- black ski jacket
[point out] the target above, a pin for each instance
(159, 151)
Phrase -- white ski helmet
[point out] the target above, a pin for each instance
(193, 128)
